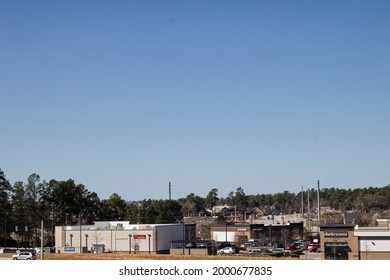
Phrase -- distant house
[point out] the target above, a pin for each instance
(350, 216)
(253, 214)
(259, 212)
(220, 208)
(232, 215)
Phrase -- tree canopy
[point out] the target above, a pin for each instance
(24, 204)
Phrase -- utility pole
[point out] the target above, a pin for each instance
(302, 202)
(318, 203)
(169, 190)
(308, 209)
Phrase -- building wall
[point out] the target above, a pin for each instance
(266, 232)
(223, 236)
(232, 234)
(193, 251)
(375, 255)
(340, 234)
(282, 233)
(383, 223)
(167, 233)
(365, 243)
(113, 240)
(374, 247)
(144, 238)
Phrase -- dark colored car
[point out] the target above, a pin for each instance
(224, 245)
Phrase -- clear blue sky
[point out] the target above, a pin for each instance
(126, 96)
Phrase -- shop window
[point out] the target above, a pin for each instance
(336, 250)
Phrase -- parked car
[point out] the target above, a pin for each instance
(279, 250)
(248, 244)
(224, 245)
(227, 250)
(314, 249)
(24, 256)
(190, 245)
(295, 245)
(255, 251)
(290, 247)
(258, 251)
(204, 244)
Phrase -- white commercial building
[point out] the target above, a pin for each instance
(117, 236)
(374, 242)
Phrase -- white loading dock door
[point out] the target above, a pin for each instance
(223, 236)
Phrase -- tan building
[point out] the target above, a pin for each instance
(338, 243)
(348, 242)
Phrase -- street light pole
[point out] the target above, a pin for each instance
(80, 237)
(5, 230)
(52, 225)
(5, 218)
(86, 241)
(149, 242)
(42, 251)
(183, 244)
(226, 234)
(130, 243)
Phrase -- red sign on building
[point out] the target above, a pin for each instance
(139, 236)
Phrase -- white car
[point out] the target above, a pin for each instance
(24, 256)
(227, 250)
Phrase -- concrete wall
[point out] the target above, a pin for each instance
(193, 251)
(223, 236)
(167, 233)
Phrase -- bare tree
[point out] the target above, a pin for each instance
(17, 237)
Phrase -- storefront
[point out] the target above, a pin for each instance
(338, 243)
(263, 233)
(348, 242)
(117, 237)
(374, 242)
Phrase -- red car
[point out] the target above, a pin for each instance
(314, 249)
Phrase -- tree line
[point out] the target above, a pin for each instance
(23, 205)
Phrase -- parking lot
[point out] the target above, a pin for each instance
(75, 256)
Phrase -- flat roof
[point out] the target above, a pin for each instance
(337, 226)
(372, 233)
